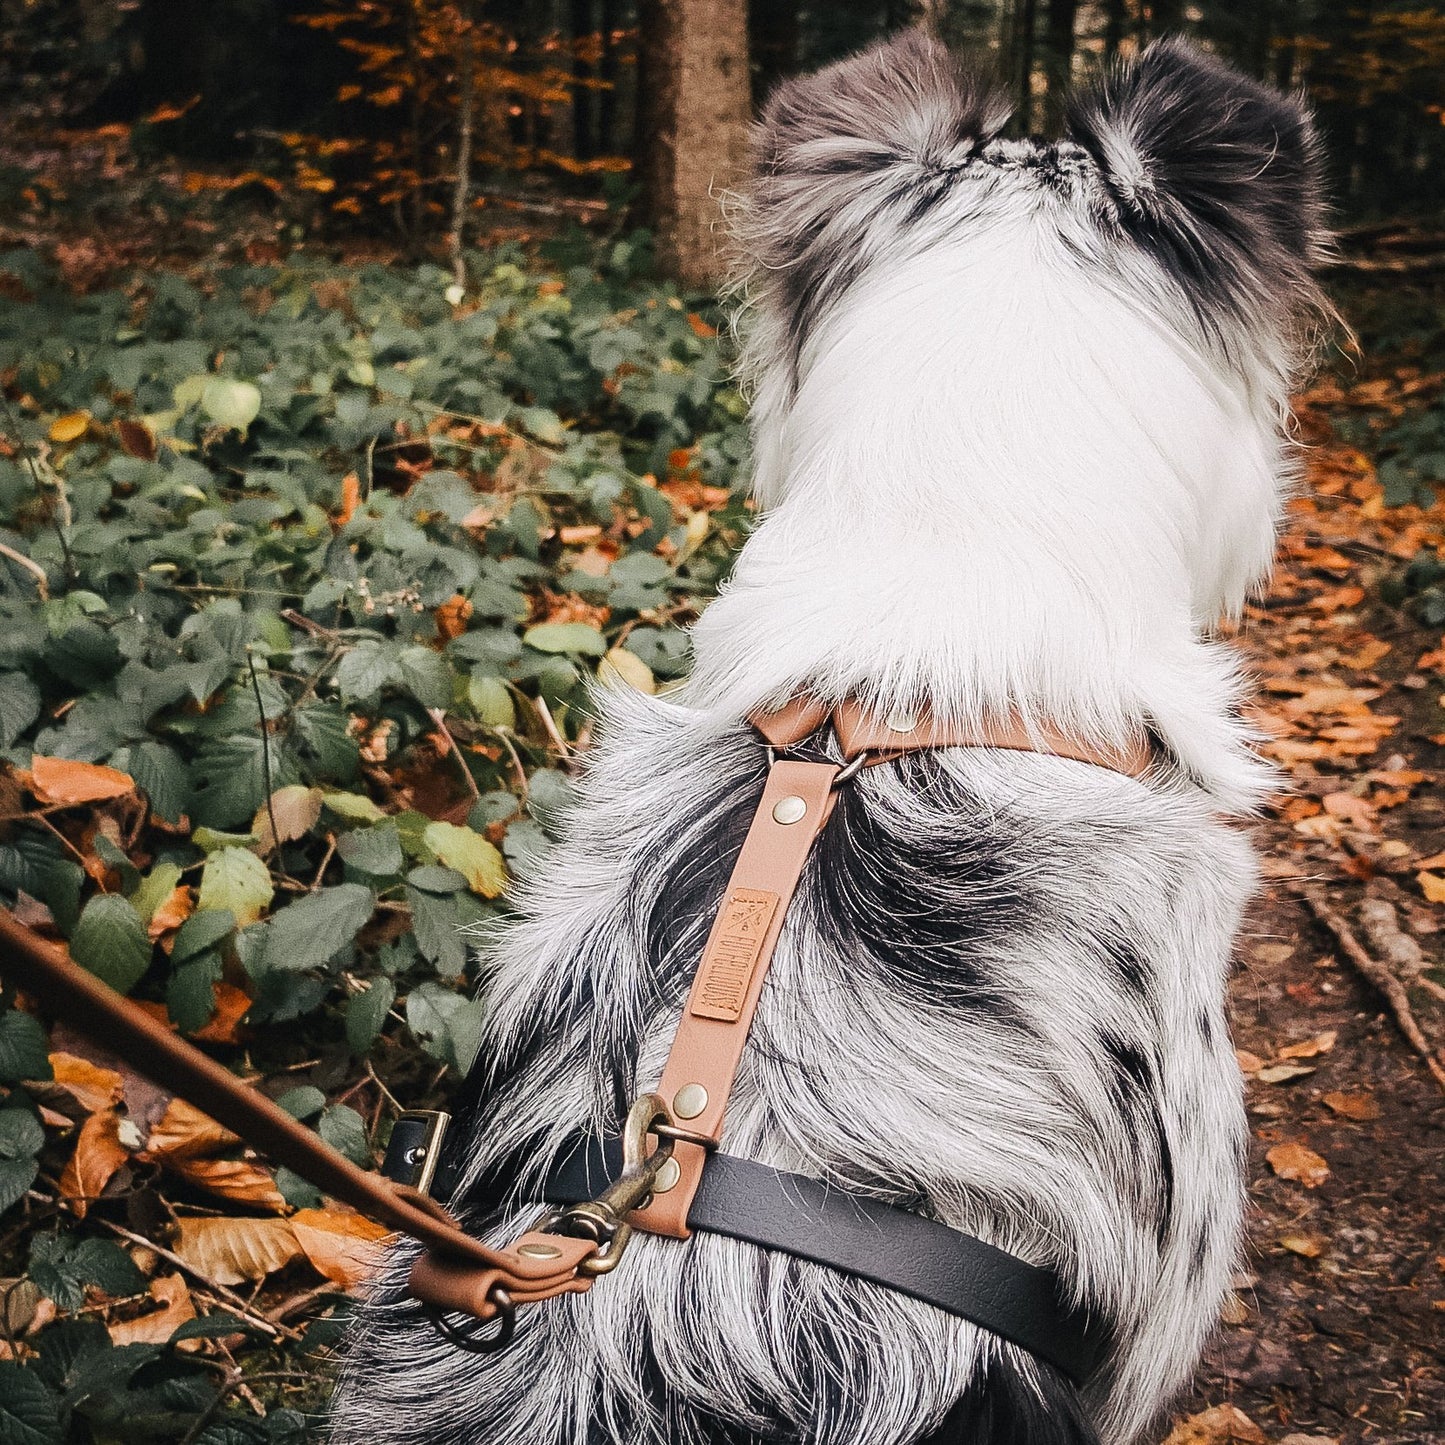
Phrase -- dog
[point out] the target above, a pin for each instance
(1019, 444)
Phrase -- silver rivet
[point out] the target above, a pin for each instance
(689, 1101)
(789, 810)
(667, 1176)
(901, 721)
(539, 1251)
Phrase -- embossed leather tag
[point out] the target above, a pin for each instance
(732, 954)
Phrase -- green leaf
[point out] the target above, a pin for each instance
(366, 1014)
(365, 670)
(204, 929)
(299, 1193)
(110, 941)
(24, 1049)
(154, 889)
(477, 860)
(566, 637)
(211, 1326)
(21, 1135)
(376, 850)
(16, 1177)
(19, 706)
(354, 807)
(212, 840)
(29, 1413)
(64, 1267)
(426, 676)
(343, 1129)
(228, 403)
(307, 933)
(436, 926)
(236, 882)
(191, 993)
(303, 1102)
(433, 878)
(491, 699)
(449, 1026)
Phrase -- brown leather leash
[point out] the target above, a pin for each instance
(568, 1248)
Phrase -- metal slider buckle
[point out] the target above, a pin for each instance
(415, 1147)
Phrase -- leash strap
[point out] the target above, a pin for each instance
(47, 974)
(870, 1240)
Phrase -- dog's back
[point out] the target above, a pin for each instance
(998, 996)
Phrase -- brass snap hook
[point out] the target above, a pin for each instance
(604, 1219)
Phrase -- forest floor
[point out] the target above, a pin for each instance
(1337, 1328)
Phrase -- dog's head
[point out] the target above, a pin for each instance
(1182, 183)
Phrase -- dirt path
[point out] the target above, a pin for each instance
(1337, 1332)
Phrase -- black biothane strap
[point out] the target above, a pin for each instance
(811, 1220)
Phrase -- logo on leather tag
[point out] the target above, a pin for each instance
(727, 966)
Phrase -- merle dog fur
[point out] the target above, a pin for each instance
(999, 995)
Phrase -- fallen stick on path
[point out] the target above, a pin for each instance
(1375, 972)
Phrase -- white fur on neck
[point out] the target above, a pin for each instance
(1001, 484)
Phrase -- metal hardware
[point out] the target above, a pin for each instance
(539, 1251)
(791, 809)
(685, 1136)
(473, 1341)
(901, 721)
(604, 1219)
(415, 1148)
(667, 1176)
(689, 1101)
(850, 768)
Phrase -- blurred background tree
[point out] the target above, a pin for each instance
(411, 116)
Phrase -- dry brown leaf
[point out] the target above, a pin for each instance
(296, 809)
(235, 1179)
(235, 1251)
(64, 781)
(1273, 952)
(1435, 860)
(1219, 1425)
(1310, 1048)
(1354, 811)
(225, 1025)
(185, 1133)
(1353, 1106)
(70, 427)
(98, 1154)
(1432, 885)
(350, 498)
(157, 1326)
(1309, 1246)
(1283, 1073)
(1248, 1063)
(87, 1084)
(340, 1244)
(452, 615)
(1295, 1161)
(172, 913)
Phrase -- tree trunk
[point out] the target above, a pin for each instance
(693, 112)
(1116, 21)
(1058, 59)
(1025, 15)
(462, 189)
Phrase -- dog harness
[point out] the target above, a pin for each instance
(665, 1175)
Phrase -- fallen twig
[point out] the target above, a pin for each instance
(1375, 972)
(439, 718)
(230, 1297)
(42, 582)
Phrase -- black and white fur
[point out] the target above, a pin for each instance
(1018, 446)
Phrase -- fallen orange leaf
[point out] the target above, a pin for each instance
(350, 497)
(171, 913)
(235, 1251)
(90, 1086)
(1310, 1048)
(184, 1132)
(98, 1154)
(157, 1326)
(225, 1025)
(65, 781)
(235, 1179)
(70, 428)
(451, 617)
(1308, 1246)
(340, 1244)
(1219, 1425)
(1352, 1106)
(1297, 1162)
(1432, 885)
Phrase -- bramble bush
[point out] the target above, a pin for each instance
(307, 575)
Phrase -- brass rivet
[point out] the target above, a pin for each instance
(667, 1176)
(901, 721)
(689, 1101)
(789, 810)
(539, 1251)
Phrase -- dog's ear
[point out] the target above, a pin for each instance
(847, 158)
(1216, 175)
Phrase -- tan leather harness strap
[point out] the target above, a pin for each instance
(796, 803)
